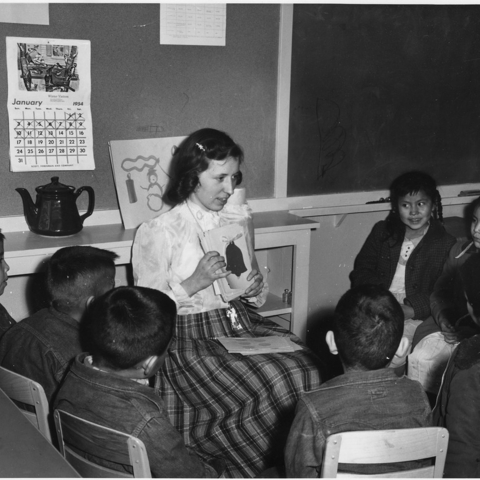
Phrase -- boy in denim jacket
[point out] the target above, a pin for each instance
(129, 331)
(367, 334)
(6, 321)
(42, 346)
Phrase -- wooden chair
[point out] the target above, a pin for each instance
(30, 398)
(387, 446)
(77, 436)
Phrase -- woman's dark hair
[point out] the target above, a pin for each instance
(411, 183)
(193, 157)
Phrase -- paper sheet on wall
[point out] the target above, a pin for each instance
(49, 88)
(193, 24)
(140, 170)
(31, 13)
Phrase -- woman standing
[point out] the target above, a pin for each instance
(226, 405)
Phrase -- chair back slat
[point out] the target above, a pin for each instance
(23, 390)
(387, 446)
(78, 435)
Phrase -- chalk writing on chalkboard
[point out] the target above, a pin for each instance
(332, 136)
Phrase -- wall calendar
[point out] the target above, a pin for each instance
(49, 89)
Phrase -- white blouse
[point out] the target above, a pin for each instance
(167, 249)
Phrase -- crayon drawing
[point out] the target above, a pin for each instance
(140, 170)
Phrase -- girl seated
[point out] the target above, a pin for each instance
(406, 252)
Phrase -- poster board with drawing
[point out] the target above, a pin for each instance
(231, 242)
(140, 171)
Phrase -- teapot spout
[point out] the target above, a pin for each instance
(29, 208)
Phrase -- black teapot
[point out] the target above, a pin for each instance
(55, 212)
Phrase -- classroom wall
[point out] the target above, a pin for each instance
(141, 89)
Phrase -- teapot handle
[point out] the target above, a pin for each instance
(91, 201)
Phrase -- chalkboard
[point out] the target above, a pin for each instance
(377, 90)
(141, 89)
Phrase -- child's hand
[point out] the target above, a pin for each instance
(408, 312)
(256, 287)
(445, 325)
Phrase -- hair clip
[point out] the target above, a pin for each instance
(201, 147)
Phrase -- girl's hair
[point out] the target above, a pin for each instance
(470, 209)
(411, 183)
(470, 279)
(193, 157)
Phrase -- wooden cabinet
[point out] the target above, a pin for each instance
(282, 243)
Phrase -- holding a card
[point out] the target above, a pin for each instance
(201, 253)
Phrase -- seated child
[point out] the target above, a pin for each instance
(406, 252)
(42, 346)
(6, 321)
(367, 334)
(129, 331)
(459, 397)
(437, 337)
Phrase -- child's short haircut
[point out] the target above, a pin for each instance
(76, 273)
(128, 324)
(470, 277)
(368, 327)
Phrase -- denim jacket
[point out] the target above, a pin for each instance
(6, 321)
(41, 347)
(125, 405)
(367, 400)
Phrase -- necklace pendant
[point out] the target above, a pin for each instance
(233, 316)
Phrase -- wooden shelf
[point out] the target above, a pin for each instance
(274, 306)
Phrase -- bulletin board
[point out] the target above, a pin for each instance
(141, 89)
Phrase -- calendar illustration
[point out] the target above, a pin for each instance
(49, 89)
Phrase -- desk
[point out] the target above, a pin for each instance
(24, 452)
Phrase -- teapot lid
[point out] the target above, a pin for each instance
(55, 187)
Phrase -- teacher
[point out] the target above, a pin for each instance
(226, 405)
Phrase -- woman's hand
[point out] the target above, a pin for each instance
(210, 268)
(256, 287)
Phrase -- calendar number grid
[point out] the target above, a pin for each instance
(50, 138)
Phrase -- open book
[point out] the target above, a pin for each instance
(230, 241)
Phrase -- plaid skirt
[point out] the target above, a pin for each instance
(231, 406)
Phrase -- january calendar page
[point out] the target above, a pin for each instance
(49, 90)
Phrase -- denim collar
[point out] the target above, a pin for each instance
(361, 376)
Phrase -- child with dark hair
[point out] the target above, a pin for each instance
(406, 252)
(367, 336)
(129, 331)
(6, 321)
(42, 346)
(457, 403)
(436, 338)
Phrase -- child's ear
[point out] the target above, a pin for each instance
(330, 339)
(403, 347)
